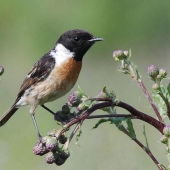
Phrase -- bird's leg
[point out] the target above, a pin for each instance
(57, 117)
(32, 112)
(46, 108)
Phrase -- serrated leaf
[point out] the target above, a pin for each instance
(131, 129)
(100, 122)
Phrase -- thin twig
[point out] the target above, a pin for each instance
(150, 99)
(123, 129)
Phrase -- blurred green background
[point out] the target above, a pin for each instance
(28, 29)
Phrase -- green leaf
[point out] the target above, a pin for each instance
(131, 129)
(118, 120)
(78, 135)
(168, 89)
(100, 122)
(81, 91)
(144, 133)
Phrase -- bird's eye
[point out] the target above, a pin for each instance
(76, 39)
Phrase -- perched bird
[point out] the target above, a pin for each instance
(54, 74)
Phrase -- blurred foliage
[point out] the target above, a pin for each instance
(28, 29)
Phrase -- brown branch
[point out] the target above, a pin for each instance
(138, 115)
(149, 153)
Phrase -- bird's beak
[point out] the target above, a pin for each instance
(96, 39)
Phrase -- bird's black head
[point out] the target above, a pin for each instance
(77, 41)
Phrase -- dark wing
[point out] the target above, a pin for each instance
(39, 72)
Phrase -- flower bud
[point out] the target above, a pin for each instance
(102, 94)
(52, 144)
(1, 70)
(155, 86)
(164, 139)
(166, 131)
(39, 149)
(118, 55)
(153, 71)
(126, 53)
(62, 138)
(59, 161)
(50, 158)
(75, 98)
(65, 154)
(66, 109)
(162, 72)
(82, 106)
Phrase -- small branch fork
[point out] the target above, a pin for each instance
(135, 114)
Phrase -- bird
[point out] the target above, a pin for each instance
(54, 74)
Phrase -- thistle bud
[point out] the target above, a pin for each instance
(62, 138)
(39, 149)
(153, 71)
(59, 161)
(126, 53)
(66, 109)
(162, 72)
(155, 86)
(65, 154)
(118, 55)
(50, 158)
(52, 144)
(1, 70)
(75, 98)
(166, 131)
(102, 94)
(82, 106)
(164, 139)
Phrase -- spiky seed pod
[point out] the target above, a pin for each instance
(52, 144)
(75, 98)
(39, 149)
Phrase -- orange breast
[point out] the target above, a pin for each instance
(61, 79)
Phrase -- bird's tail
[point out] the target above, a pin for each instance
(7, 115)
